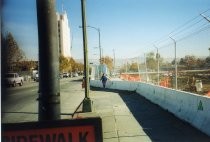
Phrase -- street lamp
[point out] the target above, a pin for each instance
(87, 102)
(158, 65)
(99, 54)
(99, 39)
(175, 61)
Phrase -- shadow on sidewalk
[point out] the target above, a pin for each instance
(158, 124)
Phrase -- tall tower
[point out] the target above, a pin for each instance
(64, 36)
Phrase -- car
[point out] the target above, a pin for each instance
(65, 75)
(13, 79)
(36, 77)
(75, 75)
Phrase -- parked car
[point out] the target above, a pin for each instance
(13, 79)
(65, 75)
(75, 75)
(36, 77)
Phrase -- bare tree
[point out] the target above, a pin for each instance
(11, 52)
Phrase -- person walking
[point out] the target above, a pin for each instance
(103, 80)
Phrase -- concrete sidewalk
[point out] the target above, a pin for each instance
(128, 117)
(118, 123)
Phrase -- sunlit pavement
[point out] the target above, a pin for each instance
(128, 117)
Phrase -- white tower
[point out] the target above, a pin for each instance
(64, 36)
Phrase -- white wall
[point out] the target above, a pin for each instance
(194, 109)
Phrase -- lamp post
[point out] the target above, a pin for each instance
(99, 39)
(175, 61)
(158, 65)
(87, 102)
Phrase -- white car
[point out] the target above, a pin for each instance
(13, 79)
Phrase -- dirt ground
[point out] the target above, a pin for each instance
(187, 82)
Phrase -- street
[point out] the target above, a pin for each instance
(20, 103)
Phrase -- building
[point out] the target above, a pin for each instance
(64, 36)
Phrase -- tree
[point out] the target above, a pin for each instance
(70, 65)
(189, 61)
(65, 64)
(108, 61)
(11, 53)
(134, 67)
(27, 65)
(151, 61)
(208, 60)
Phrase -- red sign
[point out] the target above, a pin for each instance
(80, 130)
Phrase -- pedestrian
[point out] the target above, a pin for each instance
(104, 80)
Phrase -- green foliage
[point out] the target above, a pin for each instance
(69, 65)
(151, 61)
(134, 67)
(108, 61)
(191, 62)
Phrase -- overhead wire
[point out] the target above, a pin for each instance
(184, 27)
(190, 24)
(195, 25)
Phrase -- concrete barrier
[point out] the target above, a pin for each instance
(192, 108)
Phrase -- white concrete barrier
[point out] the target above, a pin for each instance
(192, 108)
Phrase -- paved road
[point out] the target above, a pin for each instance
(20, 103)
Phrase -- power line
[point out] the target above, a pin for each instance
(182, 28)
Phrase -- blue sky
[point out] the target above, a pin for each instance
(131, 27)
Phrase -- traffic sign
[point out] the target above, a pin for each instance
(77, 130)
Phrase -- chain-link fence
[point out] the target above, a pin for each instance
(180, 60)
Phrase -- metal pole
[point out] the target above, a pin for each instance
(158, 65)
(49, 87)
(175, 62)
(99, 40)
(138, 67)
(209, 52)
(145, 57)
(87, 101)
(114, 62)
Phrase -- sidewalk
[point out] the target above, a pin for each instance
(128, 117)
(119, 125)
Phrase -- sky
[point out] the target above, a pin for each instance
(131, 28)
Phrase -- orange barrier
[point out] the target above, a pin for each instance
(130, 77)
(208, 94)
(165, 82)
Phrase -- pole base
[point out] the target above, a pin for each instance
(87, 105)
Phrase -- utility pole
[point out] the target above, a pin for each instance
(138, 58)
(158, 65)
(145, 60)
(175, 62)
(87, 107)
(114, 61)
(209, 52)
(49, 87)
